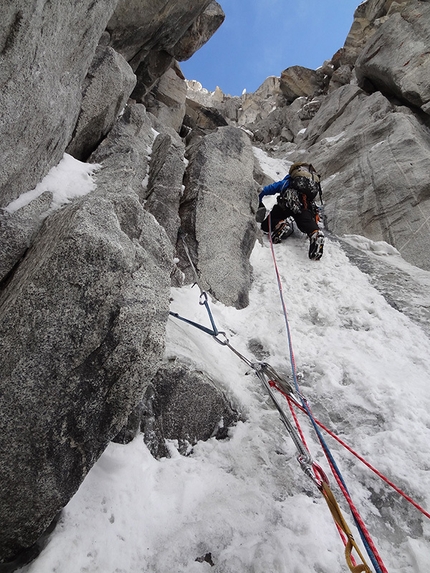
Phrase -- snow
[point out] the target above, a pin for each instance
(69, 179)
(364, 368)
(377, 145)
(378, 247)
(333, 139)
(274, 168)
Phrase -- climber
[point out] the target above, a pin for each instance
(295, 201)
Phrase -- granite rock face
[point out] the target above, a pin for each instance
(82, 324)
(82, 366)
(396, 60)
(217, 214)
(374, 155)
(46, 49)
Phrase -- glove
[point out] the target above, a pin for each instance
(261, 213)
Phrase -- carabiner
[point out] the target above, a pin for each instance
(225, 342)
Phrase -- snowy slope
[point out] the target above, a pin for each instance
(364, 368)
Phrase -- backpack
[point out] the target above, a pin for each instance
(305, 180)
(304, 170)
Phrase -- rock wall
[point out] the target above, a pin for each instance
(372, 143)
(46, 50)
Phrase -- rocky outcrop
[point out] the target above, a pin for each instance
(238, 110)
(368, 131)
(254, 106)
(46, 49)
(203, 28)
(396, 60)
(366, 21)
(152, 34)
(185, 405)
(374, 155)
(216, 212)
(95, 288)
(106, 89)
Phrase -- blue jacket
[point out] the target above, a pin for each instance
(276, 187)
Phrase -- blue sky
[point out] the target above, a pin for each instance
(260, 38)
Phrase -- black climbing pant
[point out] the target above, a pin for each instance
(305, 220)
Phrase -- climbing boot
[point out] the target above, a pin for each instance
(282, 230)
(316, 245)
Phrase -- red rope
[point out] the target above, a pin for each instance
(358, 456)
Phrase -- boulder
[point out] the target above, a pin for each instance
(184, 405)
(218, 214)
(298, 81)
(106, 89)
(47, 49)
(82, 324)
(396, 60)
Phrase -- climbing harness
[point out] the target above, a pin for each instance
(291, 392)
